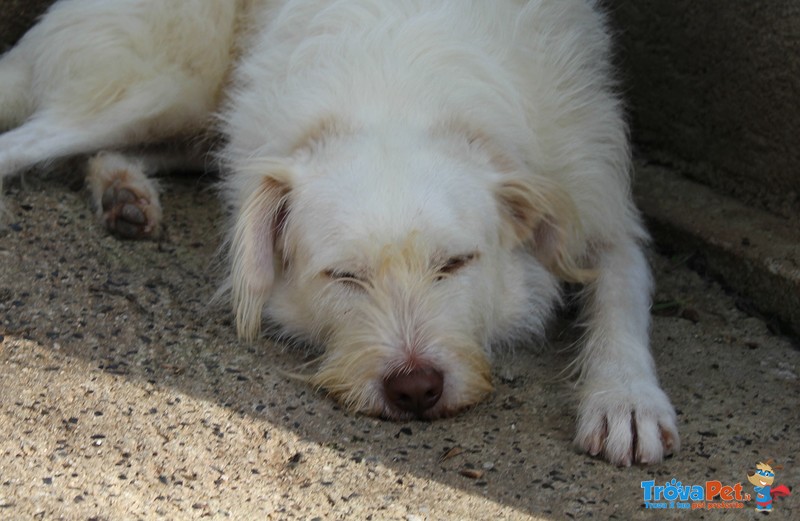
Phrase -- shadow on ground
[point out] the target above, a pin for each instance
(125, 396)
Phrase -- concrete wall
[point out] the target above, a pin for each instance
(714, 88)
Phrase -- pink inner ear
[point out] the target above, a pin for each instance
(546, 241)
(259, 271)
(279, 222)
(266, 215)
(541, 214)
(518, 203)
(261, 219)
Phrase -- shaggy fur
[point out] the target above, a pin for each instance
(411, 181)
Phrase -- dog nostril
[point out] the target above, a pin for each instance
(416, 391)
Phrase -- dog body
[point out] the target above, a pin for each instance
(411, 181)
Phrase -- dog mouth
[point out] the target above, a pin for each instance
(395, 415)
(414, 384)
(415, 395)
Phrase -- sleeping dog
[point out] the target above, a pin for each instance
(411, 181)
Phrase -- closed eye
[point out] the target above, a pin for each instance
(346, 278)
(454, 264)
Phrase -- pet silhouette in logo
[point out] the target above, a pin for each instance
(762, 479)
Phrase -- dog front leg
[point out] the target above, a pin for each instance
(623, 413)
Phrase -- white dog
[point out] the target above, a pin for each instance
(411, 181)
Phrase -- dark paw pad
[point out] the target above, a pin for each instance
(126, 214)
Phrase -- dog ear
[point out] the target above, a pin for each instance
(540, 214)
(257, 231)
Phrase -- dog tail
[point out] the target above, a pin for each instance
(16, 98)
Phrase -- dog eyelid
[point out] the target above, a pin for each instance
(455, 263)
(346, 277)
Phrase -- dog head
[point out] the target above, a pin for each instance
(404, 254)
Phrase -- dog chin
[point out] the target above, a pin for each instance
(380, 406)
(441, 411)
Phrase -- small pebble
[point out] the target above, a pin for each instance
(471, 473)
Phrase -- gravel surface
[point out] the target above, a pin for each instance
(125, 395)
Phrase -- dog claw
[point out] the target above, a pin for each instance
(628, 428)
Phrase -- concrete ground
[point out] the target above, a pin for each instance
(123, 395)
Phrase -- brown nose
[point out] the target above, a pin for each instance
(414, 392)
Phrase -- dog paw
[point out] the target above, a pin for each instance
(125, 198)
(128, 213)
(628, 425)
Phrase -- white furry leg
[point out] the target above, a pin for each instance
(38, 140)
(126, 200)
(44, 138)
(623, 414)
